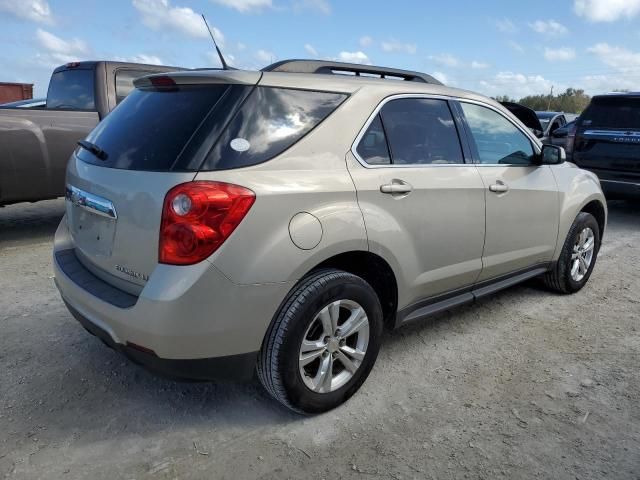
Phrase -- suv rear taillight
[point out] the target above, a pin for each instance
(571, 138)
(197, 217)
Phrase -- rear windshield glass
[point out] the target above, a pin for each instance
(149, 128)
(615, 113)
(270, 121)
(72, 89)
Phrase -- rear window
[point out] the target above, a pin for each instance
(614, 113)
(207, 127)
(124, 81)
(72, 89)
(149, 128)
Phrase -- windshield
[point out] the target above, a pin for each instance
(72, 89)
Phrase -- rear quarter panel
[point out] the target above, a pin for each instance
(577, 188)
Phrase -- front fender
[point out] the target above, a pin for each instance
(577, 189)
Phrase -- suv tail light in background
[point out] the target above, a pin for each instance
(197, 217)
(571, 138)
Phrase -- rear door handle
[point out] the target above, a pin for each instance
(396, 187)
(499, 187)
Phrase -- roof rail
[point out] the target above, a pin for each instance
(333, 68)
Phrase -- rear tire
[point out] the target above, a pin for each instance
(333, 321)
(578, 256)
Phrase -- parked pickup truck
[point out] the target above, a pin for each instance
(35, 144)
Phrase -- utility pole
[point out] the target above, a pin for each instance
(550, 97)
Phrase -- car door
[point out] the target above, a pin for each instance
(522, 212)
(423, 206)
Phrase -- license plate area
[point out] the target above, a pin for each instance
(92, 222)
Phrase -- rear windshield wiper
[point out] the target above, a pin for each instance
(93, 148)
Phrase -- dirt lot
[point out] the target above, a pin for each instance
(526, 384)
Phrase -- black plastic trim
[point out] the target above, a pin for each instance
(448, 300)
(70, 265)
(329, 67)
(231, 367)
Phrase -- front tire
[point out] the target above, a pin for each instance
(578, 257)
(323, 342)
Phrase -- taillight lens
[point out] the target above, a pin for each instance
(571, 138)
(197, 217)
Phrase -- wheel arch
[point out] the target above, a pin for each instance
(375, 270)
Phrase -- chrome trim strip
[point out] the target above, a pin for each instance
(390, 98)
(620, 181)
(612, 133)
(90, 202)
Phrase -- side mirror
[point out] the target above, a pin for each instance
(553, 155)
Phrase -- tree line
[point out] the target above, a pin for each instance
(570, 101)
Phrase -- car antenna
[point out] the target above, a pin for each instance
(222, 61)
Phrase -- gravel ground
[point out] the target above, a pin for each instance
(526, 384)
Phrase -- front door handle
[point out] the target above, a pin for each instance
(499, 187)
(396, 187)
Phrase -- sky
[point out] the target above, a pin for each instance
(495, 47)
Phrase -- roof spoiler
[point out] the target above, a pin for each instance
(333, 68)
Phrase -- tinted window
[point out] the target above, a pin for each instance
(497, 140)
(373, 147)
(269, 122)
(149, 129)
(614, 113)
(421, 131)
(124, 81)
(73, 89)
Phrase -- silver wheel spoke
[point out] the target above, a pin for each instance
(354, 323)
(325, 317)
(346, 361)
(311, 345)
(322, 380)
(589, 244)
(583, 265)
(353, 353)
(307, 358)
(574, 268)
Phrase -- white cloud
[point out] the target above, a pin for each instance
(241, 46)
(548, 27)
(479, 65)
(515, 46)
(516, 85)
(445, 60)
(505, 25)
(606, 10)
(144, 58)
(396, 46)
(320, 6)
(34, 10)
(58, 50)
(245, 6)
(265, 56)
(441, 76)
(354, 57)
(310, 50)
(160, 15)
(619, 58)
(366, 41)
(561, 54)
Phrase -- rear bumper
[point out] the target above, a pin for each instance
(188, 322)
(231, 367)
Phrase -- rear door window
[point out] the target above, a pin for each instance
(269, 122)
(613, 113)
(496, 139)
(72, 90)
(421, 131)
